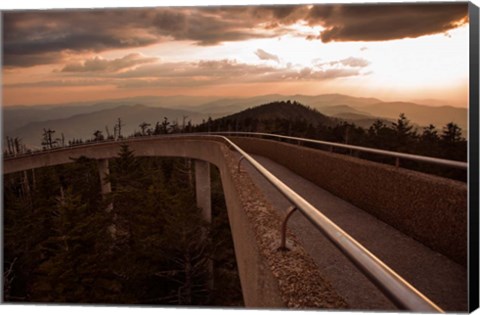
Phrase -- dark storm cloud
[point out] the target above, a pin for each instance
(214, 25)
(203, 29)
(32, 38)
(28, 60)
(54, 42)
(385, 22)
(281, 14)
(45, 37)
(37, 37)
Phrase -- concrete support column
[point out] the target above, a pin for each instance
(105, 185)
(204, 202)
(202, 189)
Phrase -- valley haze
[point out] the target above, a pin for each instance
(82, 119)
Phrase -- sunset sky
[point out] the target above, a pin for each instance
(392, 52)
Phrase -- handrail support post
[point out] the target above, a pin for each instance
(283, 231)
(240, 161)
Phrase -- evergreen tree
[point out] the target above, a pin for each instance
(380, 136)
(404, 133)
(452, 133)
(429, 135)
(453, 145)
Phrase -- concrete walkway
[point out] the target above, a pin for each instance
(437, 277)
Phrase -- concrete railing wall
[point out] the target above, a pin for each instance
(265, 274)
(430, 209)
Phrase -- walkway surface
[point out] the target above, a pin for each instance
(437, 277)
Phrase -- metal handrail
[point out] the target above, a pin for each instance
(407, 156)
(398, 155)
(397, 289)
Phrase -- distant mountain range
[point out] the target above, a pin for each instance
(84, 125)
(17, 116)
(81, 119)
(421, 115)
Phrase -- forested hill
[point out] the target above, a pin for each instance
(271, 116)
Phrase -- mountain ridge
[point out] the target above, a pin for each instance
(361, 111)
(83, 125)
(281, 110)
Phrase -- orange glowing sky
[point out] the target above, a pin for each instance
(393, 52)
